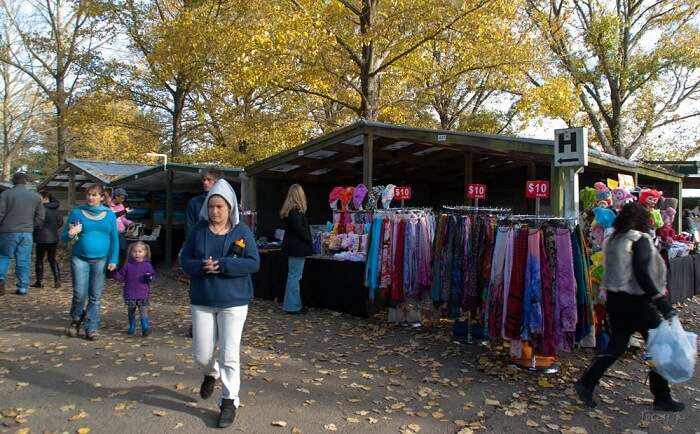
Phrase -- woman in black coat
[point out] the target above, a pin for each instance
(296, 245)
(46, 239)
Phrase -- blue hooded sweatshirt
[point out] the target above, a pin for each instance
(99, 238)
(233, 286)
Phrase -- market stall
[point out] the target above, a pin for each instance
(158, 195)
(435, 166)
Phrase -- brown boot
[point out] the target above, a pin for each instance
(2, 287)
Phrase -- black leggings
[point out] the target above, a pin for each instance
(628, 314)
(48, 250)
(143, 311)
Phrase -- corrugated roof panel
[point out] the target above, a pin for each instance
(108, 171)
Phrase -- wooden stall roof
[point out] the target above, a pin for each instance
(185, 177)
(89, 171)
(403, 148)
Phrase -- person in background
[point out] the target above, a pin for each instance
(194, 207)
(296, 245)
(120, 211)
(636, 288)
(92, 232)
(220, 256)
(46, 239)
(20, 212)
(137, 275)
(687, 222)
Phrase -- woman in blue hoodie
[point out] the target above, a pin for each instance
(219, 256)
(92, 232)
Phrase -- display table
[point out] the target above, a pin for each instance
(683, 278)
(328, 284)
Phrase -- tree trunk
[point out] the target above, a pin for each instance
(61, 132)
(178, 108)
(6, 154)
(6, 166)
(369, 82)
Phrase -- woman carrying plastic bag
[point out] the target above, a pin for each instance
(635, 282)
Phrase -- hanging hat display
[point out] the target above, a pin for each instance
(346, 197)
(334, 196)
(388, 196)
(358, 197)
(621, 197)
(374, 196)
(603, 197)
(650, 197)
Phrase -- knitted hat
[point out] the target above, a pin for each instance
(621, 197)
(670, 202)
(605, 217)
(587, 197)
(603, 196)
(359, 196)
(388, 196)
(649, 197)
(668, 215)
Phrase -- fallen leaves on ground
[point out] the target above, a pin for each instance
(82, 414)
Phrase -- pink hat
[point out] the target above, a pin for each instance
(359, 196)
(334, 196)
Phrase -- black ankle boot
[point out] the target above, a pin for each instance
(228, 413)
(37, 284)
(585, 394)
(207, 387)
(668, 404)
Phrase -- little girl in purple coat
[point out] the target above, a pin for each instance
(137, 275)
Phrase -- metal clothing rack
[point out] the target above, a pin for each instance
(476, 209)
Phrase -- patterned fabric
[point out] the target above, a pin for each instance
(532, 298)
(385, 279)
(565, 314)
(514, 311)
(546, 346)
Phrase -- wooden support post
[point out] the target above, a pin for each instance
(556, 195)
(71, 188)
(368, 159)
(636, 179)
(468, 174)
(169, 220)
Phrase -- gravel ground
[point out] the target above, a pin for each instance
(315, 373)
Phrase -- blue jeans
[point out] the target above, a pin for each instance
(292, 292)
(17, 246)
(88, 280)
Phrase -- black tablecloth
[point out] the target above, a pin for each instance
(335, 285)
(682, 278)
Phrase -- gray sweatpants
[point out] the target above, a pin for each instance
(223, 327)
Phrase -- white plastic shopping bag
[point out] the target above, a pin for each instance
(673, 351)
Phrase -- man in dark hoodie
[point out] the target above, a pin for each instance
(220, 256)
(20, 212)
(46, 239)
(192, 215)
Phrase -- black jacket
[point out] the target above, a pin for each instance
(297, 236)
(48, 232)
